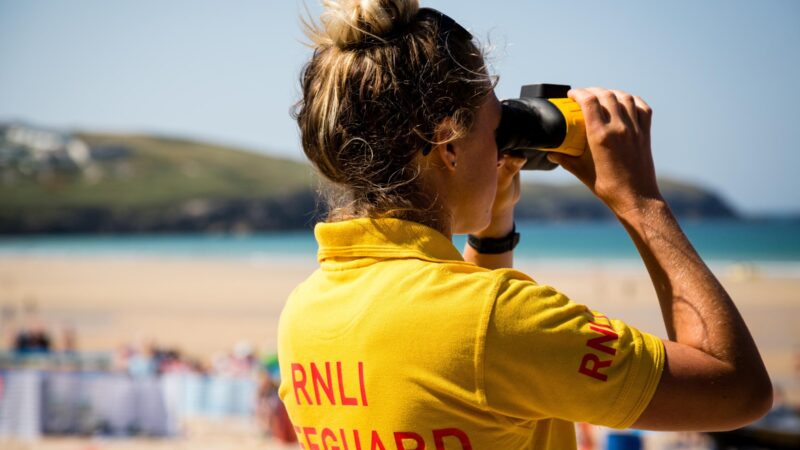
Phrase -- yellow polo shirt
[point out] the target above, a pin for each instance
(396, 342)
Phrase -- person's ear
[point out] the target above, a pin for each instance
(443, 147)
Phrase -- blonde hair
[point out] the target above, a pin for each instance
(383, 76)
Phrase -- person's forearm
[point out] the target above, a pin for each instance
(696, 308)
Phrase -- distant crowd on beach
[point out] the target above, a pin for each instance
(239, 382)
(23, 331)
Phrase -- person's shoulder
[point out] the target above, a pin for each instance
(516, 291)
(512, 275)
(468, 268)
(466, 271)
(508, 284)
(513, 282)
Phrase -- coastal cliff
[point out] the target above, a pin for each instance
(56, 182)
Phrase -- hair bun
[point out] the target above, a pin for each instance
(350, 22)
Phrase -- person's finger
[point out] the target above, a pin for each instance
(565, 161)
(627, 102)
(511, 164)
(553, 157)
(644, 113)
(590, 105)
(517, 183)
(608, 103)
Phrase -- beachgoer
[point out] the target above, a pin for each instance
(400, 341)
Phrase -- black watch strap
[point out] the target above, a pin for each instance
(495, 245)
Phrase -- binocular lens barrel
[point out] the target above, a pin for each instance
(542, 120)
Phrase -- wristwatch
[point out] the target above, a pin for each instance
(495, 245)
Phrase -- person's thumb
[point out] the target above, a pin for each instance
(554, 158)
(512, 164)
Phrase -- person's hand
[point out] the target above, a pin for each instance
(618, 165)
(507, 196)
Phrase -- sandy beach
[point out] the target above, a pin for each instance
(204, 306)
(201, 306)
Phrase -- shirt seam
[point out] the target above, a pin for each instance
(480, 357)
(652, 376)
(631, 375)
(480, 345)
(331, 266)
(639, 346)
(379, 251)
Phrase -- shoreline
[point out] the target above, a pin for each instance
(739, 268)
(769, 249)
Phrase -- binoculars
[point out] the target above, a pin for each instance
(542, 120)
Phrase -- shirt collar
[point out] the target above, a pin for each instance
(383, 238)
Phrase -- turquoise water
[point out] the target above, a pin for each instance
(772, 241)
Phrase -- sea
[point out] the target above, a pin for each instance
(771, 245)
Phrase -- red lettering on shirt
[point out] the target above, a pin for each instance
(316, 380)
(400, 436)
(591, 363)
(344, 439)
(361, 383)
(326, 434)
(403, 440)
(299, 384)
(309, 432)
(598, 342)
(355, 436)
(376, 442)
(439, 435)
(593, 370)
(323, 383)
(345, 399)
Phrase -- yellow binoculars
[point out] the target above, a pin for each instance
(543, 119)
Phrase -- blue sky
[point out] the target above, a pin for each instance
(721, 76)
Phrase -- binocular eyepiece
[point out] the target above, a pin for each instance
(542, 120)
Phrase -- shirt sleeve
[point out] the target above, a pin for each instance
(548, 357)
